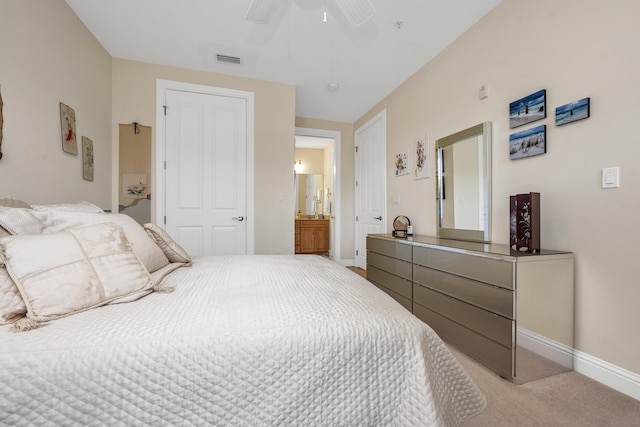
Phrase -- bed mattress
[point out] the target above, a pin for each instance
(243, 341)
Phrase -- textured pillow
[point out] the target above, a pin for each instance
(70, 207)
(149, 253)
(20, 221)
(63, 273)
(10, 202)
(12, 306)
(173, 251)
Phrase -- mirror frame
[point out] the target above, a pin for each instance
(483, 129)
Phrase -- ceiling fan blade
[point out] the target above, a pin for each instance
(357, 12)
(260, 11)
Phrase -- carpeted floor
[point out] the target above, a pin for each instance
(568, 399)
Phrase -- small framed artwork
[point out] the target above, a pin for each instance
(528, 109)
(402, 164)
(527, 143)
(421, 156)
(68, 129)
(573, 111)
(87, 159)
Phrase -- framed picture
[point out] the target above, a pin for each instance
(134, 185)
(530, 142)
(402, 163)
(421, 157)
(87, 159)
(573, 111)
(528, 109)
(68, 129)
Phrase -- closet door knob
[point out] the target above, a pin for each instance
(379, 218)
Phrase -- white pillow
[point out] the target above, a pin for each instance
(12, 306)
(63, 273)
(145, 248)
(20, 221)
(173, 251)
(70, 207)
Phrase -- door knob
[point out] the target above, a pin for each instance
(238, 218)
(379, 218)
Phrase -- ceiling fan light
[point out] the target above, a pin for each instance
(260, 11)
(357, 12)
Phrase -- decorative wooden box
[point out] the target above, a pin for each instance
(525, 222)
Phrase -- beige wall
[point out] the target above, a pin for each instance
(48, 56)
(347, 180)
(573, 49)
(134, 99)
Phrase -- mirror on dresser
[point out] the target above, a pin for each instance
(463, 171)
(309, 193)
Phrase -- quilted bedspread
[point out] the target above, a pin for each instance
(243, 341)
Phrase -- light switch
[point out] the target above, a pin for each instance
(395, 200)
(611, 177)
(280, 197)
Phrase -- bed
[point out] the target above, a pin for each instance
(228, 340)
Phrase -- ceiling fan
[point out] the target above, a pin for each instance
(357, 12)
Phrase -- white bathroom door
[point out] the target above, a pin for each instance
(370, 159)
(206, 172)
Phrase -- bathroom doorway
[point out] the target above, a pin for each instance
(317, 154)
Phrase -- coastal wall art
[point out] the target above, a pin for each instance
(573, 111)
(526, 143)
(528, 109)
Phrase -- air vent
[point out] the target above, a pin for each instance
(228, 59)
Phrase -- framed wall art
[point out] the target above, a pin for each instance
(528, 109)
(573, 111)
(68, 129)
(421, 157)
(87, 159)
(402, 163)
(527, 143)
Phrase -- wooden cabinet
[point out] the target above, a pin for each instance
(511, 311)
(311, 236)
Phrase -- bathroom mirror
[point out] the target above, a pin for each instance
(464, 184)
(309, 193)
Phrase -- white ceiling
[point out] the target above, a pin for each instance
(296, 47)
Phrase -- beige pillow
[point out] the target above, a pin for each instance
(173, 251)
(70, 207)
(145, 248)
(10, 202)
(12, 306)
(63, 273)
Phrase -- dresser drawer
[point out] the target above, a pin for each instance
(497, 328)
(404, 301)
(488, 352)
(390, 248)
(496, 299)
(390, 281)
(483, 269)
(391, 265)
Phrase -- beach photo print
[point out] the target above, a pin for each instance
(572, 112)
(528, 109)
(526, 143)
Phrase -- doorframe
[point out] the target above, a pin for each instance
(158, 150)
(335, 203)
(380, 117)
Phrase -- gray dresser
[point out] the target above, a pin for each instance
(510, 310)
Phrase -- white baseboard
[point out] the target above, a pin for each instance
(346, 262)
(613, 376)
(617, 378)
(552, 350)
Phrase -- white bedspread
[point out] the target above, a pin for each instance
(243, 341)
